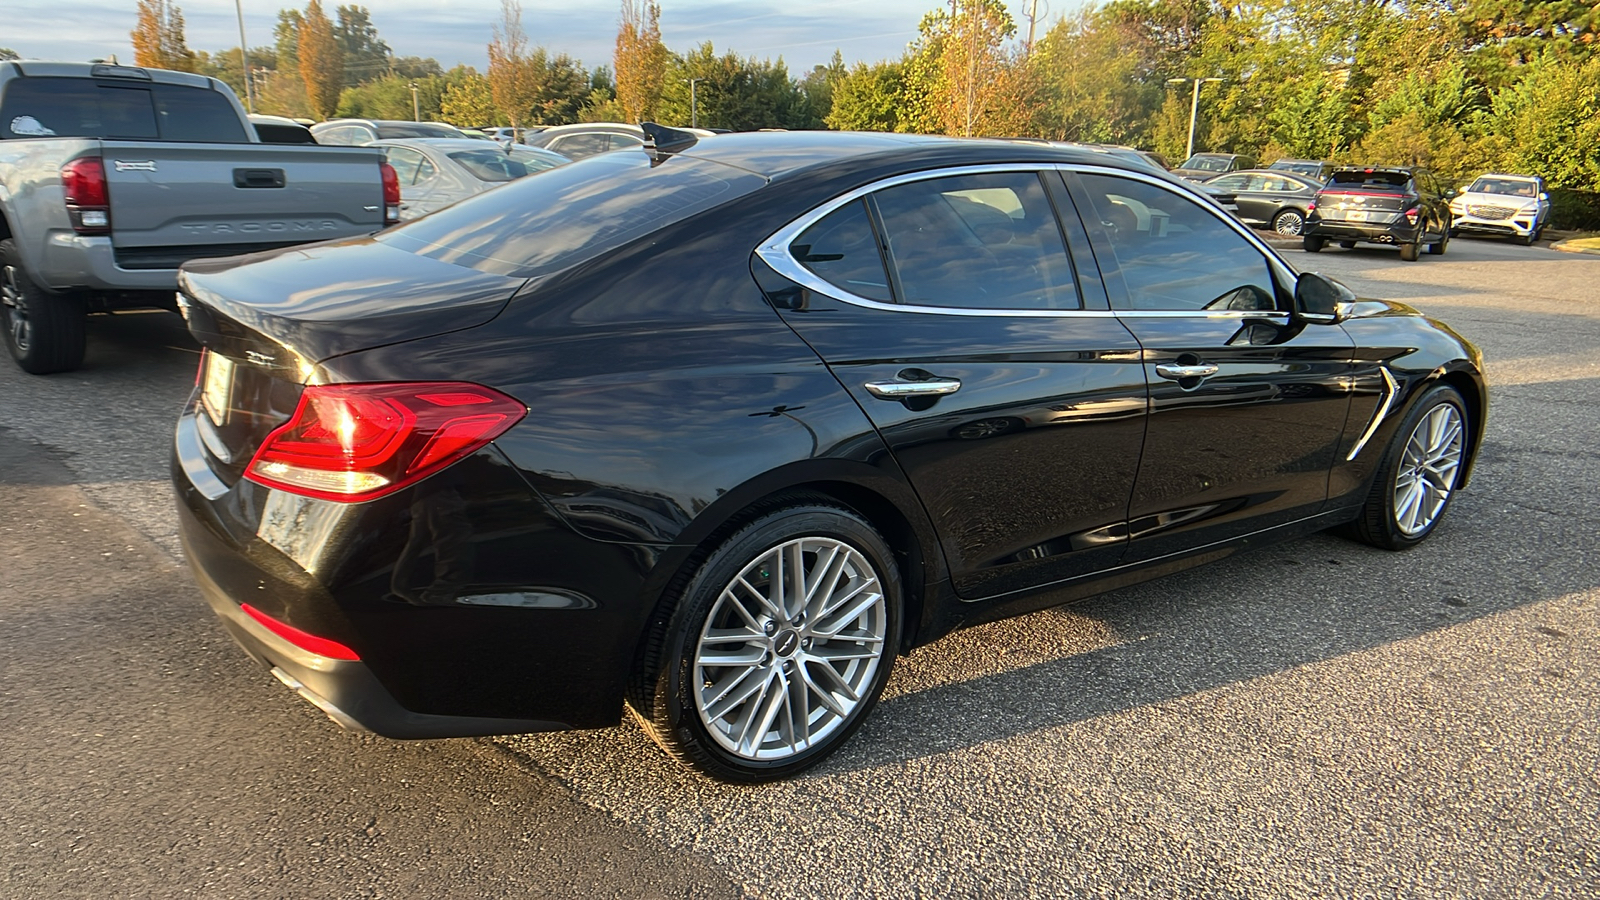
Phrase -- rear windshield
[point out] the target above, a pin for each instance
(1376, 181)
(84, 107)
(536, 226)
(493, 164)
(394, 131)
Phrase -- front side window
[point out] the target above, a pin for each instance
(987, 241)
(1175, 255)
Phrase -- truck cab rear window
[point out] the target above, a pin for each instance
(83, 107)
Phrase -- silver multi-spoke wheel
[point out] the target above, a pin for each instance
(790, 649)
(1427, 471)
(1289, 222)
(13, 307)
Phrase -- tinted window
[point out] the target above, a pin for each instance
(393, 131)
(77, 107)
(620, 141)
(344, 135)
(980, 241)
(1381, 181)
(842, 249)
(580, 145)
(1230, 182)
(199, 115)
(1173, 253)
(535, 226)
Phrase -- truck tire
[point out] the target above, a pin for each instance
(43, 330)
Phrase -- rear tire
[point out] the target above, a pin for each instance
(1410, 252)
(1313, 244)
(43, 330)
(759, 673)
(1419, 474)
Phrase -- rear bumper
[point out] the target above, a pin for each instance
(78, 262)
(1372, 232)
(472, 607)
(346, 690)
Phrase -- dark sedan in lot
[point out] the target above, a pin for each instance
(1401, 206)
(1275, 200)
(716, 430)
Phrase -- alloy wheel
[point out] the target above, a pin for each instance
(790, 649)
(1289, 223)
(13, 308)
(1427, 472)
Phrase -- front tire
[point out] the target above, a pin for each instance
(1437, 249)
(1419, 474)
(43, 330)
(778, 648)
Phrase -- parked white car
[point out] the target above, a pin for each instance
(1514, 206)
(436, 172)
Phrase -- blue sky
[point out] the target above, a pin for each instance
(456, 31)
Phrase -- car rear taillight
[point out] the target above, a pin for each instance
(1311, 207)
(354, 442)
(391, 194)
(305, 640)
(83, 181)
(1412, 214)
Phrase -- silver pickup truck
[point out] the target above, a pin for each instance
(111, 177)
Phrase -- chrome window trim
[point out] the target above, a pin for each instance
(1391, 390)
(774, 251)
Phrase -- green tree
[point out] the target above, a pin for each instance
(321, 61)
(366, 56)
(1548, 123)
(817, 88)
(8, 53)
(1091, 88)
(286, 39)
(869, 98)
(469, 103)
(730, 92)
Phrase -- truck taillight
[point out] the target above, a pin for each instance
(354, 442)
(83, 181)
(391, 194)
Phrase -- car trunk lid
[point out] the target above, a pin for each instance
(267, 319)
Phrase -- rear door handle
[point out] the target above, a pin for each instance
(1178, 373)
(899, 390)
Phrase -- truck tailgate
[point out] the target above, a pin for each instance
(172, 202)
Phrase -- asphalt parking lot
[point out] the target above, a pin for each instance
(1317, 719)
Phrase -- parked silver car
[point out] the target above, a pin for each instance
(436, 172)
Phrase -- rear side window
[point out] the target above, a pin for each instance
(842, 249)
(83, 107)
(536, 226)
(393, 131)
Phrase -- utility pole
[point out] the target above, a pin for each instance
(1033, 19)
(694, 104)
(1194, 106)
(244, 60)
(416, 111)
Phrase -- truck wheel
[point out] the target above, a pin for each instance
(43, 331)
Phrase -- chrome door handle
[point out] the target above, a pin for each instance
(1178, 373)
(899, 390)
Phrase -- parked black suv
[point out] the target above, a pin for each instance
(1400, 205)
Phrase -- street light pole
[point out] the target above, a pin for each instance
(416, 111)
(694, 104)
(1194, 107)
(244, 61)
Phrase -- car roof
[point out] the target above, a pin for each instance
(1505, 175)
(1276, 173)
(773, 154)
(608, 127)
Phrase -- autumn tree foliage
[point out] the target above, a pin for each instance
(511, 80)
(640, 60)
(158, 38)
(321, 60)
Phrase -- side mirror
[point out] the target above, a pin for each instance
(1318, 298)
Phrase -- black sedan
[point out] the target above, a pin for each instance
(716, 430)
(1275, 200)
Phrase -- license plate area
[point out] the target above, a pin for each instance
(216, 392)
